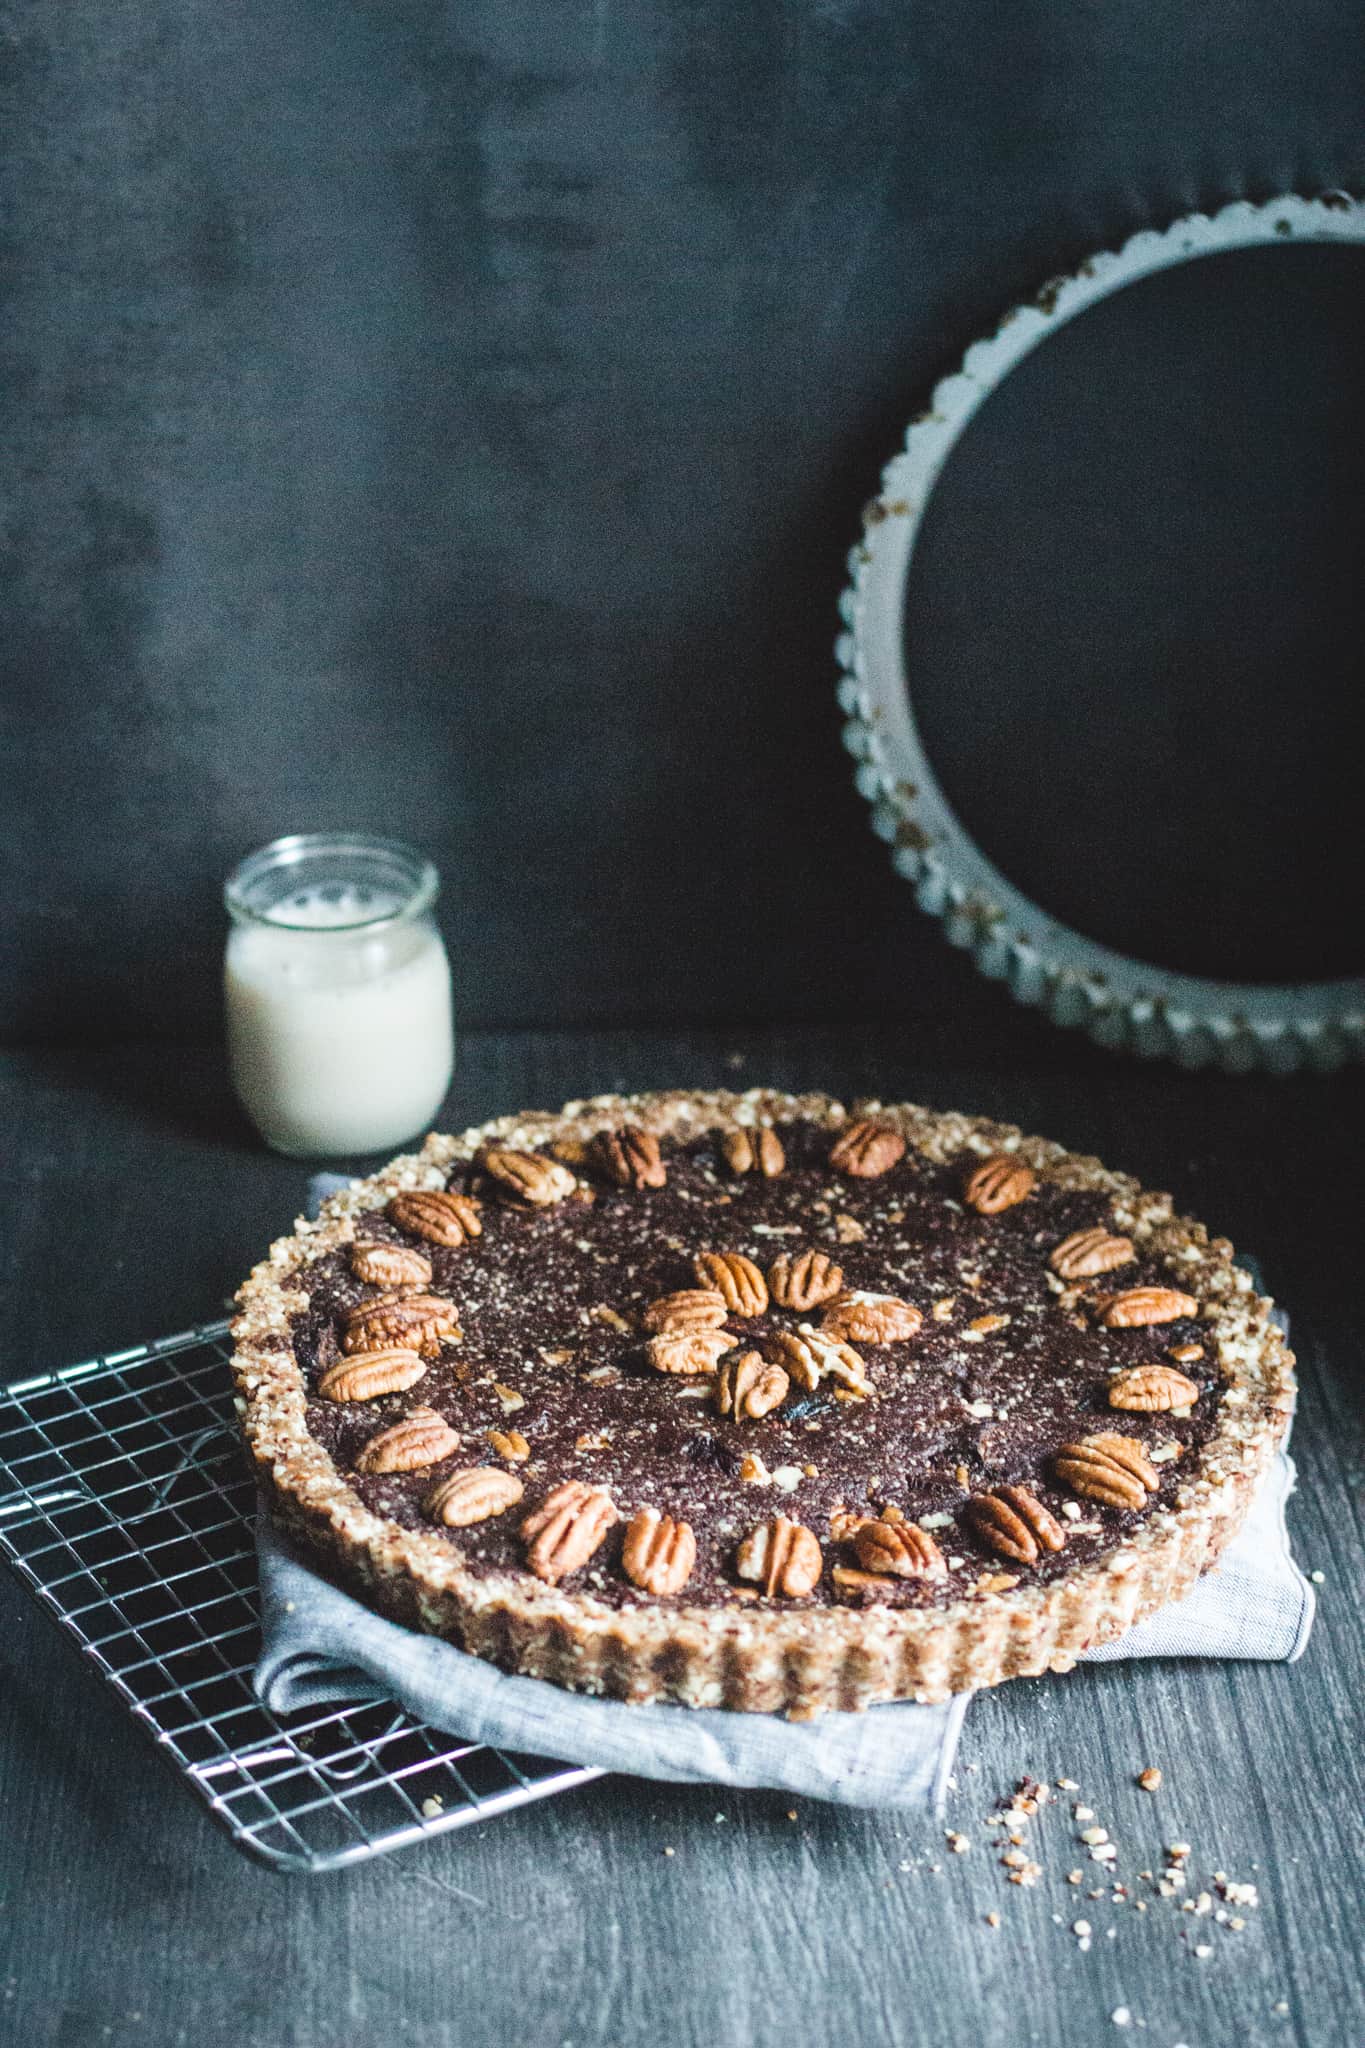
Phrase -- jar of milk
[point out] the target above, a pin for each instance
(338, 993)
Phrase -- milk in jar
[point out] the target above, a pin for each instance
(340, 1036)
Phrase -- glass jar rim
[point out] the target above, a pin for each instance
(402, 867)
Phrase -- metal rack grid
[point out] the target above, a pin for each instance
(127, 1511)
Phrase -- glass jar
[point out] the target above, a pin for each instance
(339, 1027)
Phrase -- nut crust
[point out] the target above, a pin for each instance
(753, 1658)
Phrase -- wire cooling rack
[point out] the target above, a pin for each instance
(126, 1509)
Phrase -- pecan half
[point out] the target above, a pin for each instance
(802, 1280)
(810, 1355)
(736, 1279)
(781, 1556)
(1113, 1470)
(1151, 1389)
(1137, 1306)
(417, 1321)
(389, 1265)
(871, 1318)
(866, 1149)
(902, 1549)
(510, 1444)
(1013, 1524)
(566, 1529)
(366, 1377)
(689, 1351)
(690, 1308)
(437, 1215)
(750, 1386)
(845, 1522)
(630, 1157)
(475, 1495)
(1087, 1252)
(527, 1177)
(754, 1151)
(659, 1554)
(860, 1585)
(998, 1183)
(421, 1438)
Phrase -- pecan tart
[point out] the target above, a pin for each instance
(756, 1402)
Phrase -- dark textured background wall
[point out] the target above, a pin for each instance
(451, 420)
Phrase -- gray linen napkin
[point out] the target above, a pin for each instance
(321, 1647)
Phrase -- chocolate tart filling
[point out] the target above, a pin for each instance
(1002, 1372)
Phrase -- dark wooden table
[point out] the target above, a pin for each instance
(132, 1202)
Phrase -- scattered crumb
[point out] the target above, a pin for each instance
(432, 1805)
(1236, 1894)
(1318, 1578)
(1121, 2016)
(992, 1919)
(670, 1852)
(1012, 1817)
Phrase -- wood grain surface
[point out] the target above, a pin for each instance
(134, 1200)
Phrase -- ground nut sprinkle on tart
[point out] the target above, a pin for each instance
(798, 1407)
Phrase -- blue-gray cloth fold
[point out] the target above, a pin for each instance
(321, 1647)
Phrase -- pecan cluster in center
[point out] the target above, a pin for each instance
(692, 1335)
